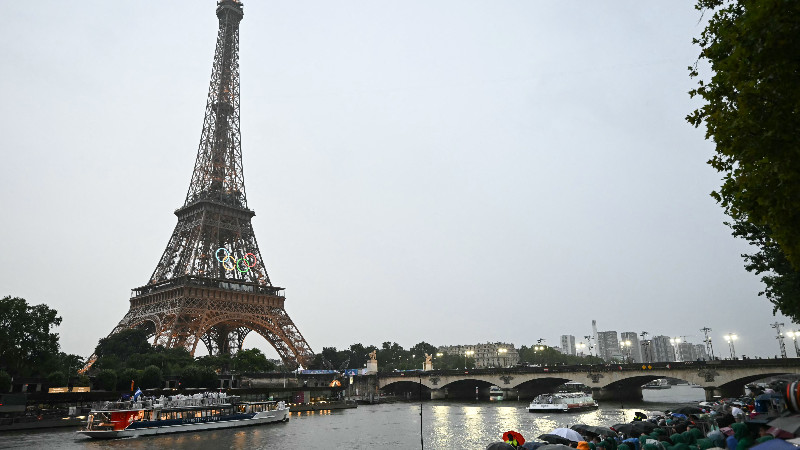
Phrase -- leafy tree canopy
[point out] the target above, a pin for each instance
(751, 113)
(123, 344)
(251, 360)
(25, 335)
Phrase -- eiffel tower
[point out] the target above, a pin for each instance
(210, 284)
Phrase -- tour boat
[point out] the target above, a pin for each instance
(563, 402)
(660, 383)
(495, 394)
(178, 414)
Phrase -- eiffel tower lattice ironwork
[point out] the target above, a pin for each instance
(210, 284)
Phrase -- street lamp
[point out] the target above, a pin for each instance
(794, 335)
(467, 353)
(626, 344)
(581, 346)
(675, 342)
(729, 338)
(501, 353)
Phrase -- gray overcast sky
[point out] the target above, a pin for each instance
(450, 171)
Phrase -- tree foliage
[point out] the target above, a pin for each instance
(551, 356)
(151, 378)
(106, 380)
(199, 377)
(5, 381)
(781, 281)
(751, 113)
(26, 339)
(251, 360)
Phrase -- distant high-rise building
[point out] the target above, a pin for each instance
(700, 352)
(568, 344)
(648, 354)
(662, 349)
(634, 350)
(686, 351)
(607, 345)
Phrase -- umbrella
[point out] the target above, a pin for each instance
(688, 410)
(591, 429)
(788, 423)
(555, 447)
(498, 446)
(566, 433)
(774, 444)
(780, 434)
(639, 427)
(554, 439)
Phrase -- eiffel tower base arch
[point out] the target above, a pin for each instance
(186, 314)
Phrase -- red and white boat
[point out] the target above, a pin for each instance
(563, 402)
(179, 414)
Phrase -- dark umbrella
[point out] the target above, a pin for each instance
(581, 427)
(605, 431)
(499, 446)
(773, 444)
(593, 430)
(639, 427)
(788, 423)
(688, 410)
(554, 439)
(555, 447)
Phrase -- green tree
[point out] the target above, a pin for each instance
(123, 344)
(781, 281)
(152, 378)
(750, 112)
(82, 380)
(251, 360)
(126, 378)
(57, 379)
(106, 380)
(5, 381)
(199, 377)
(25, 336)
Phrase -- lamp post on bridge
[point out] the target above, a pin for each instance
(466, 354)
(626, 353)
(675, 342)
(581, 346)
(794, 335)
(729, 338)
(501, 353)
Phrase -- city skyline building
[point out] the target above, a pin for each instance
(647, 351)
(662, 349)
(568, 344)
(633, 350)
(608, 345)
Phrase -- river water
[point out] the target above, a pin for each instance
(445, 425)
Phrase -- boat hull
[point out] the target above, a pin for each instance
(561, 408)
(275, 416)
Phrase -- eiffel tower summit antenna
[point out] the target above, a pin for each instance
(210, 284)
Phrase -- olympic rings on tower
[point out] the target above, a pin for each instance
(240, 264)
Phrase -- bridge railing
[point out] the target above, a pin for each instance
(636, 367)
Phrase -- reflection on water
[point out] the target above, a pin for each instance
(445, 425)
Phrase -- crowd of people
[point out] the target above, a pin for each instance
(721, 427)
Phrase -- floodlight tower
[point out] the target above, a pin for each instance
(779, 337)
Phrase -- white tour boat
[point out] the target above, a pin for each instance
(495, 394)
(660, 383)
(563, 402)
(178, 414)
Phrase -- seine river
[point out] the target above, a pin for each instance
(445, 425)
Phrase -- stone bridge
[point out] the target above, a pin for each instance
(719, 378)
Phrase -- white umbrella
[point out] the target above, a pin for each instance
(566, 433)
